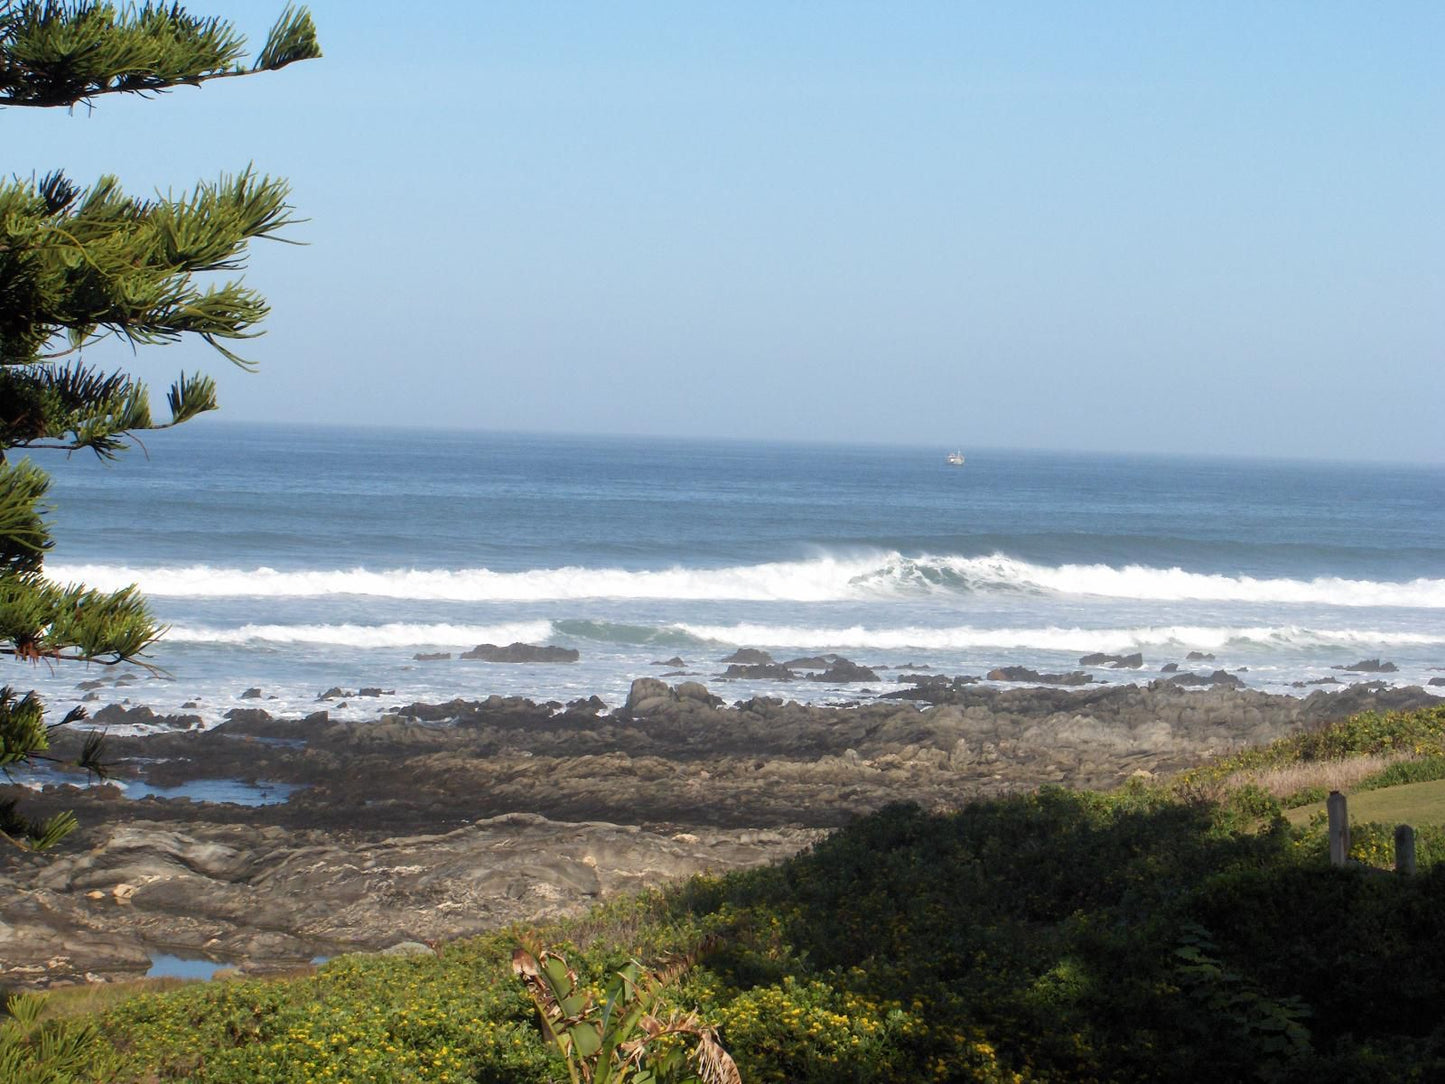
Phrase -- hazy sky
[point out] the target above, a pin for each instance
(1216, 227)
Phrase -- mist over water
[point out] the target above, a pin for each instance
(295, 560)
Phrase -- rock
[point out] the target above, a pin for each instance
(438, 821)
(1023, 673)
(123, 892)
(813, 662)
(748, 656)
(1436, 681)
(373, 691)
(1169, 668)
(336, 692)
(676, 660)
(762, 671)
(519, 653)
(432, 656)
(591, 706)
(252, 694)
(1219, 677)
(647, 695)
(845, 671)
(1369, 666)
(116, 713)
(696, 692)
(1199, 656)
(248, 715)
(1117, 662)
(143, 716)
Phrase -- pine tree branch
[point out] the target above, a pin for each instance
(62, 54)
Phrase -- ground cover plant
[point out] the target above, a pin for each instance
(1147, 934)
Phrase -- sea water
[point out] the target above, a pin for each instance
(294, 560)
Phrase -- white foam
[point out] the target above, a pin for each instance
(1049, 638)
(827, 578)
(366, 636)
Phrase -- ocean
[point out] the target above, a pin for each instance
(294, 560)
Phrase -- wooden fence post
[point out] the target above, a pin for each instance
(1339, 828)
(1404, 849)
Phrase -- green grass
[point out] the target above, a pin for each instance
(1416, 804)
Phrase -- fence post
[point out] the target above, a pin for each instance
(1404, 849)
(1339, 828)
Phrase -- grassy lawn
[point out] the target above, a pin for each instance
(1412, 803)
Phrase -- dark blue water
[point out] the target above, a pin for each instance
(296, 559)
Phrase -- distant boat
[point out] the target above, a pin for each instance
(955, 459)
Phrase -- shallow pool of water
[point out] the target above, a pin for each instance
(213, 790)
(166, 966)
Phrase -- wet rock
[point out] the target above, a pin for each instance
(248, 715)
(521, 653)
(1117, 662)
(1199, 656)
(252, 694)
(1219, 677)
(1023, 673)
(813, 662)
(749, 656)
(676, 660)
(432, 656)
(1436, 681)
(763, 671)
(845, 671)
(1169, 668)
(141, 715)
(1369, 666)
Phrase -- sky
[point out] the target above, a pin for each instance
(1214, 228)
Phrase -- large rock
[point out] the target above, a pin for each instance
(1369, 666)
(518, 652)
(1117, 662)
(749, 656)
(845, 671)
(1219, 677)
(1023, 673)
(648, 695)
(762, 671)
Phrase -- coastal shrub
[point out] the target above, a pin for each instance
(38, 1048)
(1052, 936)
(624, 1033)
(1424, 769)
(359, 1018)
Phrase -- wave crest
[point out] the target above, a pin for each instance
(827, 578)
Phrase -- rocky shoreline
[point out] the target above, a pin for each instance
(439, 820)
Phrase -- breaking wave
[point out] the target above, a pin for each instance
(826, 578)
(367, 636)
(1051, 638)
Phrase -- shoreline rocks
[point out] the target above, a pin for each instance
(435, 820)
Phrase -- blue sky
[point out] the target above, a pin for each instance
(1208, 228)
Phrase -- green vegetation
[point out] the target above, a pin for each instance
(78, 265)
(621, 1037)
(1143, 935)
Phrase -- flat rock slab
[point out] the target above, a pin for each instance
(230, 892)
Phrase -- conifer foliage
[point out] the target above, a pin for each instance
(79, 264)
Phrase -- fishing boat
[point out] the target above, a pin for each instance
(955, 459)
